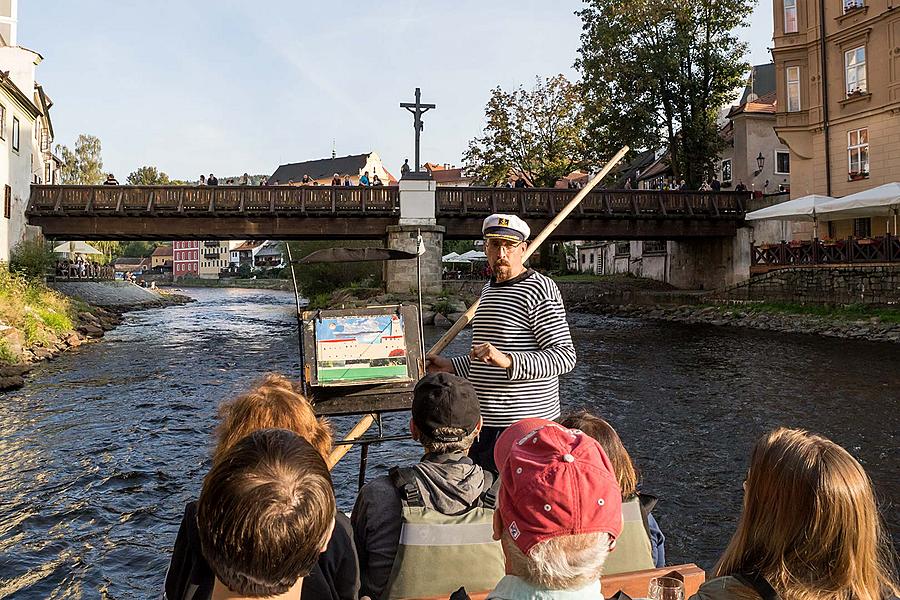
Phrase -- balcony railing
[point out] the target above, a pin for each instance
(885, 249)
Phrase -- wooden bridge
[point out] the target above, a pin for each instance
(325, 212)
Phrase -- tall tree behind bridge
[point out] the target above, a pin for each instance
(656, 73)
(83, 165)
(147, 176)
(538, 134)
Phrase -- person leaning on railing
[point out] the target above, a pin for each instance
(809, 529)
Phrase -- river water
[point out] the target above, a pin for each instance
(104, 446)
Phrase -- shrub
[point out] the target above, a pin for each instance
(7, 356)
(32, 258)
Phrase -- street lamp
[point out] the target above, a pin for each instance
(760, 162)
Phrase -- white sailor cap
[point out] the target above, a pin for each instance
(505, 227)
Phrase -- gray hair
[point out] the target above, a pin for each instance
(565, 562)
(433, 446)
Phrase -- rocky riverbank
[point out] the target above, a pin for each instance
(849, 323)
(45, 332)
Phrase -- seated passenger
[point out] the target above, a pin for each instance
(274, 403)
(266, 512)
(642, 544)
(559, 512)
(445, 495)
(809, 528)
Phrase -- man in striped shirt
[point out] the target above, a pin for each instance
(520, 340)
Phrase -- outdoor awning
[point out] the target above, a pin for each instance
(76, 248)
(806, 208)
(473, 255)
(881, 201)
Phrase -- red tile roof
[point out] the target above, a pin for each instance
(162, 251)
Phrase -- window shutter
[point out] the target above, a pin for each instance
(7, 203)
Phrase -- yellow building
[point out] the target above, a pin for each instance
(839, 100)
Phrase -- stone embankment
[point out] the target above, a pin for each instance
(870, 328)
(100, 309)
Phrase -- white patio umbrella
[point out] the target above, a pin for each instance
(76, 248)
(806, 208)
(473, 255)
(881, 201)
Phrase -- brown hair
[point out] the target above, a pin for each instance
(275, 403)
(603, 432)
(265, 512)
(810, 524)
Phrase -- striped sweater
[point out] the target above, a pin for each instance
(523, 317)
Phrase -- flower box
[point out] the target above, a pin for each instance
(857, 176)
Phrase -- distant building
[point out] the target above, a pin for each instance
(26, 132)
(161, 259)
(269, 256)
(242, 254)
(127, 264)
(448, 175)
(839, 99)
(322, 170)
(185, 259)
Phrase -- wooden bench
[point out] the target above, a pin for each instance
(636, 583)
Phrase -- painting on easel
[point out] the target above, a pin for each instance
(358, 349)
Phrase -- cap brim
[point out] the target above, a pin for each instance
(512, 434)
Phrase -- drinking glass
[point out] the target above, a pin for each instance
(666, 588)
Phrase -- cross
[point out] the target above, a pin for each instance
(417, 109)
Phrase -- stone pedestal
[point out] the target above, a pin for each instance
(400, 275)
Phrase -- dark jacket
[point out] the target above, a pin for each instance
(334, 577)
(449, 483)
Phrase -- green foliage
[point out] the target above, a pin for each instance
(441, 306)
(324, 278)
(848, 312)
(245, 271)
(7, 356)
(538, 134)
(82, 166)
(458, 246)
(656, 73)
(110, 250)
(57, 321)
(138, 248)
(147, 176)
(32, 258)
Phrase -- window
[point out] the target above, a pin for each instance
(858, 153)
(623, 248)
(790, 16)
(782, 162)
(726, 170)
(852, 4)
(7, 203)
(654, 247)
(15, 134)
(862, 228)
(855, 69)
(793, 89)
(2, 122)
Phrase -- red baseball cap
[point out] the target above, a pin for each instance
(555, 481)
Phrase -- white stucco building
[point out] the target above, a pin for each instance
(26, 132)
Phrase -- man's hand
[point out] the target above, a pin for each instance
(435, 363)
(489, 355)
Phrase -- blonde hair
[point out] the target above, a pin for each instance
(810, 524)
(609, 440)
(565, 562)
(274, 403)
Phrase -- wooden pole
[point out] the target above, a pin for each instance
(363, 425)
(357, 432)
(464, 320)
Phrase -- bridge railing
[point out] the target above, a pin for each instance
(124, 200)
(536, 202)
(883, 249)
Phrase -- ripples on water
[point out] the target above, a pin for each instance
(105, 445)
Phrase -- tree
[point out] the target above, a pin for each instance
(538, 134)
(655, 74)
(139, 248)
(83, 166)
(147, 176)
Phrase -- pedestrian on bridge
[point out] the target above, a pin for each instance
(521, 342)
(212, 180)
(111, 180)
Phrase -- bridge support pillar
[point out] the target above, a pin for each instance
(709, 263)
(400, 275)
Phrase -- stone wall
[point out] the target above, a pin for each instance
(874, 285)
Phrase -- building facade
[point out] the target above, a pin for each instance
(185, 259)
(323, 170)
(838, 86)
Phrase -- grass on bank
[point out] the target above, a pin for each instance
(850, 312)
(33, 308)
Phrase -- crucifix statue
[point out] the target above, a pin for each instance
(417, 109)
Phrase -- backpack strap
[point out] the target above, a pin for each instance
(405, 482)
(759, 584)
(648, 503)
(490, 489)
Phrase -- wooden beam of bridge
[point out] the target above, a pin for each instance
(325, 212)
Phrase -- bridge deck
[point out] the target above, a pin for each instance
(324, 212)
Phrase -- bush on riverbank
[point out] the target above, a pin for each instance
(850, 312)
(29, 306)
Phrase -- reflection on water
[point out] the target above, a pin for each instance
(102, 449)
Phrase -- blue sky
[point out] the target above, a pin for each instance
(228, 86)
